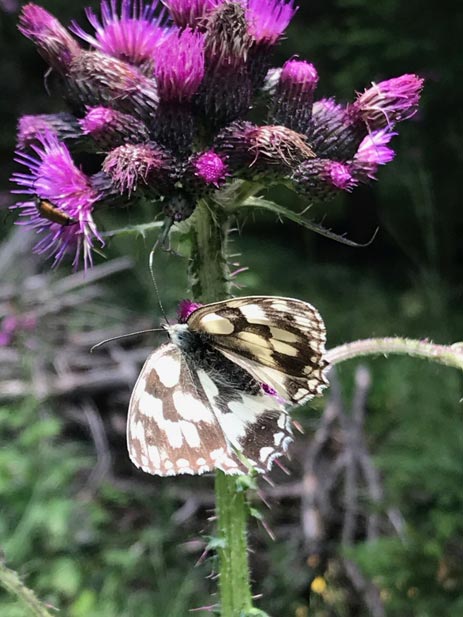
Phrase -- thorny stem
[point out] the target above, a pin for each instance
(10, 580)
(209, 279)
(450, 355)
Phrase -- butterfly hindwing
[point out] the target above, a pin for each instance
(280, 341)
(171, 427)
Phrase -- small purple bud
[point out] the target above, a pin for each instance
(64, 125)
(137, 165)
(185, 308)
(210, 168)
(131, 33)
(110, 128)
(372, 152)
(190, 12)
(179, 66)
(389, 101)
(54, 43)
(322, 179)
(293, 100)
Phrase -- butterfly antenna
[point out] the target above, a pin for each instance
(116, 338)
(160, 241)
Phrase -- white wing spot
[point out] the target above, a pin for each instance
(168, 370)
(284, 348)
(264, 453)
(254, 313)
(191, 408)
(150, 406)
(190, 433)
(214, 324)
(284, 335)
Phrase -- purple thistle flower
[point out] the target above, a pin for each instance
(54, 43)
(388, 102)
(110, 128)
(53, 176)
(190, 12)
(179, 66)
(268, 19)
(185, 308)
(133, 165)
(131, 33)
(372, 152)
(63, 125)
(210, 168)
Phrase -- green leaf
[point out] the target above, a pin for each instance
(296, 217)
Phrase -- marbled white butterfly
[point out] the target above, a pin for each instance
(216, 396)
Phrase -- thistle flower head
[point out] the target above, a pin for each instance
(323, 178)
(179, 66)
(131, 32)
(389, 101)
(227, 37)
(210, 168)
(268, 19)
(133, 165)
(190, 12)
(185, 308)
(373, 152)
(54, 43)
(53, 176)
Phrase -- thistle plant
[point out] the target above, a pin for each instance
(165, 96)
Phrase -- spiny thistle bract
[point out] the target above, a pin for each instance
(162, 95)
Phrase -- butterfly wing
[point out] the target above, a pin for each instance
(280, 341)
(183, 420)
(171, 427)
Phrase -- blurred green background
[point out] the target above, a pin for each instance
(130, 545)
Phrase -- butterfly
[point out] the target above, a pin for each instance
(217, 395)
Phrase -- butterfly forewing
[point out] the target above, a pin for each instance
(280, 341)
(171, 427)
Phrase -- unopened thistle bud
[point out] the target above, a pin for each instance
(53, 41)
(64, 125)
(256, 150)
(97, 79)
(132, 33)
(133, 166)
(322, 179)
(293, 99)
(332, 133)
(388, 102)
(109, 128)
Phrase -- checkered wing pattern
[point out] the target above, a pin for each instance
(279, 341)
(183, 420)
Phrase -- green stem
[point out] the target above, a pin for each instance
(10, 580)
(450, 355)
(209, 278)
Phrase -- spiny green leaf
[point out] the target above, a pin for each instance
(296, 217)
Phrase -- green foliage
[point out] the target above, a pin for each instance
(87, 554)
